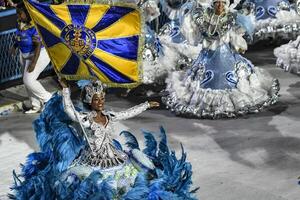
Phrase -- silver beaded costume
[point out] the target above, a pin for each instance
(103, 154)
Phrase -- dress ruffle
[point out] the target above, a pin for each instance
(286, 25)
(156, 70)
(288, 56)
(174, 55)
(255, 90)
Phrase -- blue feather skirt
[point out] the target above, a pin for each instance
(49, 174)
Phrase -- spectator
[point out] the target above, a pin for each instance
(33, 58)
(4, 4)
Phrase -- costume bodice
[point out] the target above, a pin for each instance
(101, 152)
(212, 26)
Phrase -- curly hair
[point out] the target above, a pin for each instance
(21, 8)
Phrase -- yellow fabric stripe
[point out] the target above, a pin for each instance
(62, 12)
(98, 73)
(95, 14)
(59, 55)
(128, 25)
(83, 70)
(124, 66)
(42, 20)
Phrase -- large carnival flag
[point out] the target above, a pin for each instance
(87, 41)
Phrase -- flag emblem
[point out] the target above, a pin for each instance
(80, 39)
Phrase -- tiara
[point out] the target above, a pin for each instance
(91, 89)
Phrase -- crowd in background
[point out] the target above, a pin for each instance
(6, 4)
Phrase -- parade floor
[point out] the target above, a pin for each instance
(256, 157)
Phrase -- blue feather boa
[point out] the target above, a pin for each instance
(45, 174)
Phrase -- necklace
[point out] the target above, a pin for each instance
(94, 114)
(210, 32)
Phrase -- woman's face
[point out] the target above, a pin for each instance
(98, 102)
(219, 7)
(21, 15)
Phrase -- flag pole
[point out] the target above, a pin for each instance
(79, 121)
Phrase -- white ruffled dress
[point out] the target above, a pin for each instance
(288, 56)
(220, 83)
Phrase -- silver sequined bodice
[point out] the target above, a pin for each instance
(102, 153)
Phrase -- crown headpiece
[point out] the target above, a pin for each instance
(91, 89)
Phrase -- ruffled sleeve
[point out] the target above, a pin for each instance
(192, 23)
(243, 25)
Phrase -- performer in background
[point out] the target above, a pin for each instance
(288, 56)
(5, 4)
(33, 58)
(91, 164)
(165, 49)
(220, 83)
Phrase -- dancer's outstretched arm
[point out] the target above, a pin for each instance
(131, 112)
(68, 105)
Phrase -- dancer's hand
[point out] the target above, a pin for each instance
(31, 67)
(242, 51)
(153, 104)
(13, 51)
(63, 82)
(36, 54)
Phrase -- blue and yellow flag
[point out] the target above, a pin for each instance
(87, 41)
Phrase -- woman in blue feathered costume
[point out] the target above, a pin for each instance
(89, 164)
